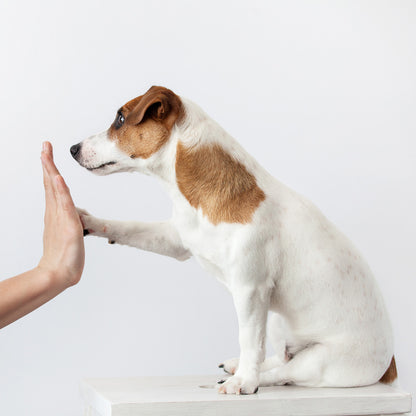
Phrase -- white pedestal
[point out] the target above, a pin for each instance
(195, 395)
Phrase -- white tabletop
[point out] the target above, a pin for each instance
(195, 395)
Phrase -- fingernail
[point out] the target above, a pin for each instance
(43, 146)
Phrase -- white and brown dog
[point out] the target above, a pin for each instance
(271, 248)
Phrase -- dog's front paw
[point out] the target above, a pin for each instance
(86, 220)
(91, 225)
(83, 215)
(238, 385)
(230, 366)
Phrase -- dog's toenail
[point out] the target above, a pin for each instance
(221, 381)
(221, 366)
(86, 232)
(111, 242)
(245, 393)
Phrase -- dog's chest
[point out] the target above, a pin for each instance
(212, 245)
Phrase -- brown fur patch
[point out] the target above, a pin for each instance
(391, 373)
(212, 180)
(149, 120)
(142, 140)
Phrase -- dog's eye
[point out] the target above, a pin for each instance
(119, 120)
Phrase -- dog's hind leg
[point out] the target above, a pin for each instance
(304, 369)
(346, 364)
(158, 237)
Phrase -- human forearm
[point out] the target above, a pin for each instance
(22, 294)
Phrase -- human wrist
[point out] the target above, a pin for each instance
(51, 278)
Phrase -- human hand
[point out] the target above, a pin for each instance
(63, 243)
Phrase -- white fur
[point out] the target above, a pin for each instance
(289, 260)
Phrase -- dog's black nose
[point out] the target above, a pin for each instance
(75, 150)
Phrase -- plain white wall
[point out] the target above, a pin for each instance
(322, 93)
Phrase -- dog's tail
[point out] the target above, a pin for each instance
(391, 373)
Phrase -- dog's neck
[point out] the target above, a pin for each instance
(195, 129)
(202, 163)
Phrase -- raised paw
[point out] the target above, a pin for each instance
(230, 366)
(83, 216)
(91, 224)
(238, 385)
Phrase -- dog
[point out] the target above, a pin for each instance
(284, 263)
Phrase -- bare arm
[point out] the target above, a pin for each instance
(63, 251)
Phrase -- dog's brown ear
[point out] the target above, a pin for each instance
(158, 103)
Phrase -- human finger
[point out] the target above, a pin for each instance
(49, 183)
(64, 197)
(47, 158)
(48, 149)
(50, 194)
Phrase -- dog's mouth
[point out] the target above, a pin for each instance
(103, 165)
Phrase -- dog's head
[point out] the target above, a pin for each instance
(140, 130)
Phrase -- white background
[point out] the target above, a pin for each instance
(322, 93)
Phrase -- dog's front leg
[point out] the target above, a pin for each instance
(251, 305)
(158, 237)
